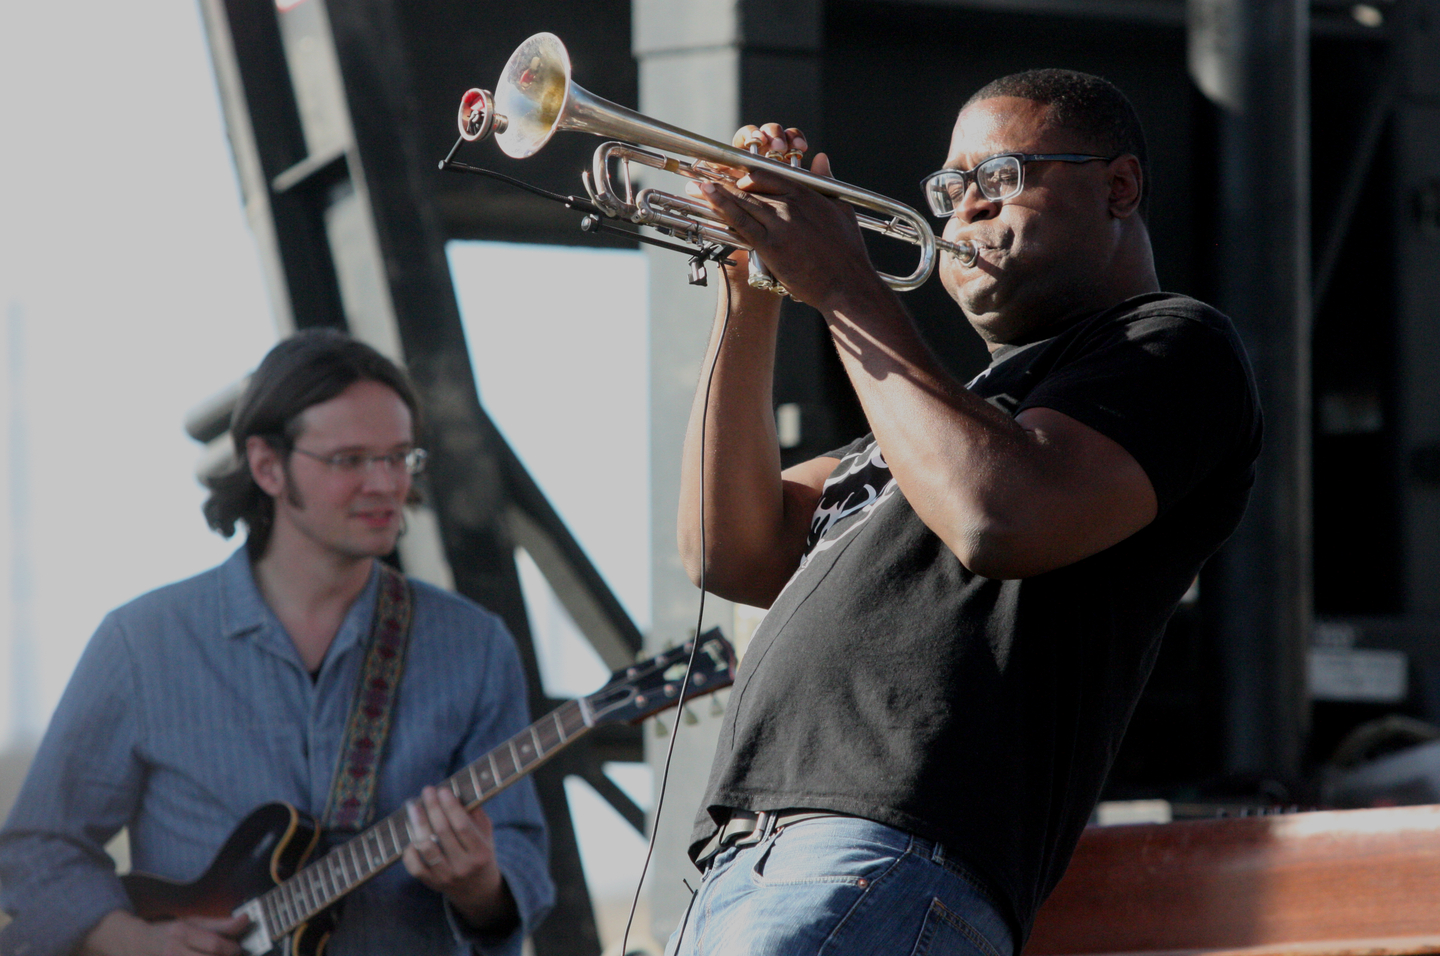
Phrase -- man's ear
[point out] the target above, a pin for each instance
(1127, 186)
(266, 466)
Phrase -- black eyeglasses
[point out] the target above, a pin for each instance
(357, 463)
(999, 177)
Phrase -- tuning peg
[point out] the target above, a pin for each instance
(688, 716)
(660, 729)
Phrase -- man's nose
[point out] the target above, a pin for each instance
(381, 475)
(973, 206)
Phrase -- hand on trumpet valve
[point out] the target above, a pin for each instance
(772, 142)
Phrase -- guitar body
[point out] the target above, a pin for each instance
(264, 850)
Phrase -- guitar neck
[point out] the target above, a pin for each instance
(323, 882)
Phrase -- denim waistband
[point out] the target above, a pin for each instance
(748, 828)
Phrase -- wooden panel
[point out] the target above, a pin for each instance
(1329, 882)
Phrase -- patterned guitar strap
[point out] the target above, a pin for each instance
(352, 791)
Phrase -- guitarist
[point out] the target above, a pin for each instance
(198, 702)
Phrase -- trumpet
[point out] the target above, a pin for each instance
(535, 97)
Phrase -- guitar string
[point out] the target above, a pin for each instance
(699, 623)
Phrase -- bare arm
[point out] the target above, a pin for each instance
(1010, 497)
(756, 517)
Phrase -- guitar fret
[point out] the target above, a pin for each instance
(578, 718)
(297, 900)
(287, 912)
(395, 838)
(526, 756)
(337, 877)
(346, 879)
(539, 747)
(357, 863)
(319, 888)
(494, 769)
(297, 908)
(475, 783)
(319, 892)
(272, 918)
(380, 838)
(514, 757)
(320, 884)
(547, 738)
(361, 853)
(559, 726)
(307, 896)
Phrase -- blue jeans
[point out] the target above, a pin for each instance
(839, 886)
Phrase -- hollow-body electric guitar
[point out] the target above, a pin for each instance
(264, 869)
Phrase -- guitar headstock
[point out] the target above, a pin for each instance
(647, 687)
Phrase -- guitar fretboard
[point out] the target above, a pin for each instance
(326, 880)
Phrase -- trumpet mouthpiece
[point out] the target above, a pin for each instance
(964, 250)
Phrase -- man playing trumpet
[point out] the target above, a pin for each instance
(964, 605)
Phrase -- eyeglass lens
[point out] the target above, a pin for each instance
(997, 178)
(412, 461)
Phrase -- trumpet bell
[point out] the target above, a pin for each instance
(533, 93)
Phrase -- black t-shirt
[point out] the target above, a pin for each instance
(889, 682)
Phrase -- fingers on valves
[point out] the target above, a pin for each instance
(786, 145)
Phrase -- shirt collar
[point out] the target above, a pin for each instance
(243, 610)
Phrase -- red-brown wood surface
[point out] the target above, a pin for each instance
(1310, 884)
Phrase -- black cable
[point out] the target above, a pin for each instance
(596, 220)
(699, 622)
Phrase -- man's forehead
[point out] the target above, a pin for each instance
(1002, 124)
(366, 408)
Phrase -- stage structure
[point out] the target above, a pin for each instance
(1296, 156)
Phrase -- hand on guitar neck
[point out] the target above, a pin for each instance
(452, 851)
(122, 934)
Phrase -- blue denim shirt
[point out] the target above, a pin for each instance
(190, 707)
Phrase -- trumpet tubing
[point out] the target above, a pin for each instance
(536, 97)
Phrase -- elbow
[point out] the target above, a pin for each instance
(692, 555)
(992, 562)
(993, 548)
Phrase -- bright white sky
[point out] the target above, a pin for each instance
(130, 291)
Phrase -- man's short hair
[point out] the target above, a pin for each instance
(1091, 107)
(306, 369)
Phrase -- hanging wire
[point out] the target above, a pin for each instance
(699, 620)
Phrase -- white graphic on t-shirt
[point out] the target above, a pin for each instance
(865, 499)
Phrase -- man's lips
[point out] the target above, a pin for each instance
(377, 517)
